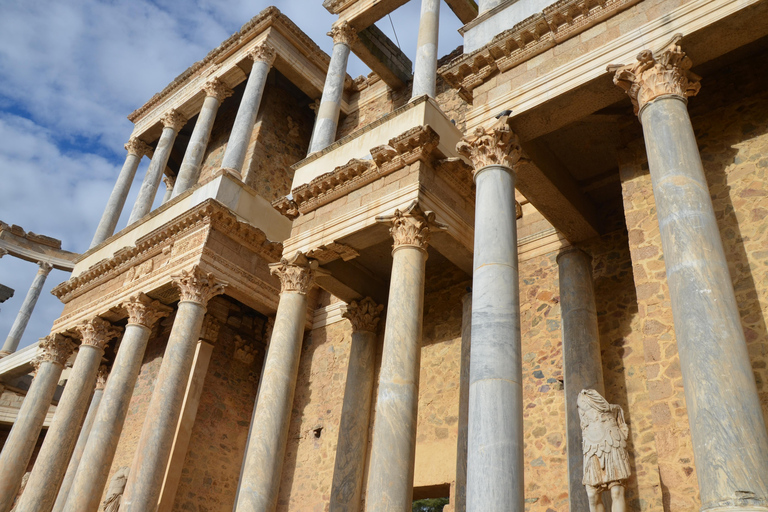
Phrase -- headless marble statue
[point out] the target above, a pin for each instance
(115, 490)
(604, 441)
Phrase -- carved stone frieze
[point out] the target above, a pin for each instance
(296, 274)
(142, 310)
(364, 315)
(497, 145)
(54, 348)
(411, 227)
(97, 332)
(343, 33)
(101, 377)
(137, 147)
(195, 285)
(657, 74)
(217, 89)
(263, 53)
(174, 119)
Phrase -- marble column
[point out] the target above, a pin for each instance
(393, 450)
(22, 318)
(582, 363)
(51, 463)
(327, 120)
(215, 93)
(461, 442)
(156, 441)
(169, 181)
(730, 442)
(264, 453)
(106, 228)
(234, 156)
(495, 442)
(54, 351)
(74, 461)
(173, 121)
(98, 453)
(352, 446)
(425, 68)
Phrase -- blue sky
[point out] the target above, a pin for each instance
(70, 73)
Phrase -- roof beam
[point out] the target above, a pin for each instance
(384, 58)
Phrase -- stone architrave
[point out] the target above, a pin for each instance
(495, 463)
(604, 445)
(730, 441)
(22, 318)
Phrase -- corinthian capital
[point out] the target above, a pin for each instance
(54, 348)
(142, 310)
(657, 74)
(217, 89)
(137, 147)
(101, 377)
(44, 268)
(262, 53)
(97, 332)
(411, 227)
(296, 274)
(174, 119)
(198, 286)
(364, 315)
(343, 33)
(497, 145)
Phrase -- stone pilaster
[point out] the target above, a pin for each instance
(495, 432)
(145, 481)
(27, 307)
(730, 442)
(425, 67)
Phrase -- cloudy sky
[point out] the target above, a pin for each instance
(70, 73)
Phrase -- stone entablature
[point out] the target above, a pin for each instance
(29, 246)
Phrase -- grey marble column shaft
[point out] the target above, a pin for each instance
(27, 307)
(145, 481)
(582, 363)
(730, 441)
(51, 463)
(495, 444)
(461, 442)
(25, 432)
(108, 223)
(352, 446)
(74, 461)
(237, 146)
(390, 474)
(425, 67)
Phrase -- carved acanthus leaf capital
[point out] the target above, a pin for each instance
(497, 145)
(343, 33)
(195, 285)
(174, 119)
(364, 315)
(296, 274)
(217, 89)
(97, 332)
(137, 147)
(657, 74)
(44, 268)
(54, 348)
(142, 310)
(101, 377)
(263, 53)
(411, 227)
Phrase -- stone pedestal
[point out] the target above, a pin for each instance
(106, 228)
(98, 454)
(327, 120)
(461, 442)
(495, 445)
(51, 463)
(234, 156)
(347, 486)
(582, 364)
(54, 350)
(173, 121)
(142, 490)
(425, 68)
(260, 479)
(215, 92)
(730, 442)
(22, 318)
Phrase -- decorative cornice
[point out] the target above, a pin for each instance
(497, 145)
(343, 33)
(210, 329)
(101, 377)
(662, 73)
(262, 53)
(364, 315)
(44, 268)
(137, 147)
(174, 119)
(54, 348)
(195, 285)
(533, 36)
(216, 88)
(411, 227)
(142, 310)
(296, 274)
(97, 332)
